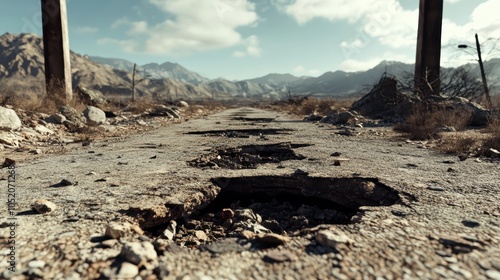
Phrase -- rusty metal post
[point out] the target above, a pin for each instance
(56, 51)
(428, 62)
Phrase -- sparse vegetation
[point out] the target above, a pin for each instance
(319, 106)
(424, 123)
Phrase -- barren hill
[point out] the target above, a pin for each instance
(22, 66)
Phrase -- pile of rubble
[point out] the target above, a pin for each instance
(386, 104)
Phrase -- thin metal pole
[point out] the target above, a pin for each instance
(483, 75)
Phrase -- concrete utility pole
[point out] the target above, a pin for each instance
(56, 51)
(428, 62)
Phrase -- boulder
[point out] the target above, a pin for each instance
(94, 116)
(9, 119)
(90, 97)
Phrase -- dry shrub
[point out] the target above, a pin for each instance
(494, 129)
(319, 106)
(495, 101)
(459, 144)
(424, 123)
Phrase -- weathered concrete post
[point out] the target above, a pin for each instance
(56, 50)
(428, 62)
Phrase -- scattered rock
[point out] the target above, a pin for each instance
(224, 246)
(182, 103)
(280, 256)
(493, 274)
(272, 239)
(469, 223)
(459, 244)
(139, 253)
(56, 119)
(201, 235)
(115, 230)
(43, 206)
(127, 271)
(336, 154)
(36, 264)
(94, 116)
(9, 119)
(332, 237)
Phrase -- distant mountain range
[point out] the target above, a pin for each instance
(22, 66)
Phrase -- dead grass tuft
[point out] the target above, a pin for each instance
(318, 106)
(459, 144)
(424, 123)
(494, 130)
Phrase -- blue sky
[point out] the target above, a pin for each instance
(240, 39)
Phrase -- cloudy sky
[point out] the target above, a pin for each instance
(239, 39)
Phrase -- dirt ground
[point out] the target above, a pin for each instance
(389, 208)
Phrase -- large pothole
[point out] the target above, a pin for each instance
(285, 205)
(249, 156)
(242, 133)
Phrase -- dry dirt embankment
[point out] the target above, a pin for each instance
(427, 215)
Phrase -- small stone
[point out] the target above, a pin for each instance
(451, 259)
(272, 238)
(224, 246)
(332, 237)
(36, 264)
(139, 253)
(115, 231)
(248, 234)
(493, 274)
(201, 235)
(471, 224)
(127, 271)
(336, 154)
(43, 206)
(280, 256)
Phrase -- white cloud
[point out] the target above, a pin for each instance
(252, 47)
(385, 21)
(86, 29)
(193, 25)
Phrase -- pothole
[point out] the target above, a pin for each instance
(242, 133)
(249, 156)
(284, 205)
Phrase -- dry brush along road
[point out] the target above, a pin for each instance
(252, 194)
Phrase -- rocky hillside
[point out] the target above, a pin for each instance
(154, 70)
(22, 66)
